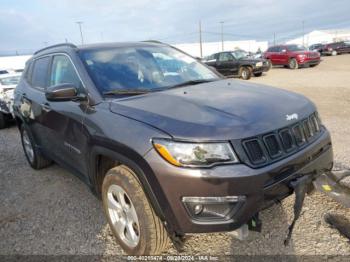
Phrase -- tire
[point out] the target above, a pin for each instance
(245, 73)
(3, 122)
(258, 74)
(334, 53)
(34, 157)
(293, 64)
(124, 202)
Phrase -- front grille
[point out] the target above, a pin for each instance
(255, 151)
(287, 140)
(278, 144)
(299, 135)
(312, 55)
(272, 145)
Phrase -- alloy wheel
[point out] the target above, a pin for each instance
(123, 216)
(28, 147)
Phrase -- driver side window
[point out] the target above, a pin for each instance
(63, 72)
(224, 57)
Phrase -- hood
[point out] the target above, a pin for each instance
(252, 59)
(220, 110)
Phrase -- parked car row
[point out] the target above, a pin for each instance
(8, 83)
(244, 65)
(332, 48)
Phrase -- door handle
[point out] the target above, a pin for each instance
(46, 107)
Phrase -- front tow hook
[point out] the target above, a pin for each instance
(301, 186)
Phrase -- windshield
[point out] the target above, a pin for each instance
(239, 54)
(296, 48)
(11, 80)
(147, 68)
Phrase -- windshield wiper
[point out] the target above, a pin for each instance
(192, 82)
(126, 92)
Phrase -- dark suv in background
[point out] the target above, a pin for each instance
(169, 146)
(336, 48)
(293, 56)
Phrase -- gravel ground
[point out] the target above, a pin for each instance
(51, 212)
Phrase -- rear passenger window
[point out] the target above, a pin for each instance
(63, 72)
(40, 70)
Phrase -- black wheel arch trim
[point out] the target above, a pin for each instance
(125, 155)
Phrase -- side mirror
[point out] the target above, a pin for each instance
(62, 92)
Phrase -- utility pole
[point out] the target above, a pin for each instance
(222, 35)
(81, 31)
(274, 38)
(200, 40)
(303, 22)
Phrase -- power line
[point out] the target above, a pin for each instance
(200, 39)
(222, 35)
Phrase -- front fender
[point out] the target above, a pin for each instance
(125, 155)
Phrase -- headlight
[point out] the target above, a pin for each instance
(259, 64)
(194, 154)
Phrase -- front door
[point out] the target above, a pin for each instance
(224, 63)
(63, 121)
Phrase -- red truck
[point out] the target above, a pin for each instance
(293, 56)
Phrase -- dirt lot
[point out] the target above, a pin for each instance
(52, 212)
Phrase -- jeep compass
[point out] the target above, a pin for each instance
(167, 144)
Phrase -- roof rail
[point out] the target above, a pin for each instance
(57, 45)
(154, 41)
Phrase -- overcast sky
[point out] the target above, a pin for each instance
(27, 25)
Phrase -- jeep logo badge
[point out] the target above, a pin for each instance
(291, 117)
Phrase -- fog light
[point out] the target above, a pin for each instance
(198, 209)
(207, 209)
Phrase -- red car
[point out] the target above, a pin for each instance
(293, 56)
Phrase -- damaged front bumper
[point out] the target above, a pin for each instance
(6, 101)
(240, 192)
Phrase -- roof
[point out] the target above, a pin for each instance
(63, 46)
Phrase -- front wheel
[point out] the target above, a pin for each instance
(245, 73)
(293, 64)
(135, 225)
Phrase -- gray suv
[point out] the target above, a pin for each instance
(169, 146)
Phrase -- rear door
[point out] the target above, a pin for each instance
(273, 55)
(63, 121)
(344, 47)
(347, 47)
(32, 100)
